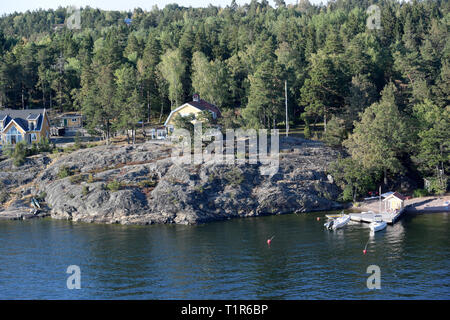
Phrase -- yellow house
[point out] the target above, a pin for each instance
(195, 107)
(30, 125)
(71, 120)
(394, 202)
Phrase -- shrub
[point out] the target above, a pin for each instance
(85, 190)
(420, 193)
(17, 153)
(44, 145)
(335, 133)
(113, 186)
(77, 179)
(41, 197)
(64, 172)
(307, 131)
(90, 178)
(347, 193)
(147, 183)
(234, 177)
(438, 186)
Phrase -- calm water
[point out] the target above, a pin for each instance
(225, 260)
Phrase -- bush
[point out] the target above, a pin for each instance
(85, 190)
(438, 186)
(77, 179)
(113, 186)
(147, 183)
(44, 145)
(234, 177)
(347, 193)
(90, 178)
(307, 131)
(420, 193)
(64, 172)
(335, 133)
(17, 153)
(41, 197)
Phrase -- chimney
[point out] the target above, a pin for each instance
(196, 97)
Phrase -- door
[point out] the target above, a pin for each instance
(65, 122)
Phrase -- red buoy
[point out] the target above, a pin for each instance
(364, 251)
(269, 241)
(318, 218)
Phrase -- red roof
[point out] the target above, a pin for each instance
(398, 195)
(204, 105)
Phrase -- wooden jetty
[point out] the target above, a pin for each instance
(388, 217)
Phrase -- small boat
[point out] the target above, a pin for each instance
(329, 225)
(341, 222)
(378, 224)
(337, 223)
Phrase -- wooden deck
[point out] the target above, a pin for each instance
(369, 216)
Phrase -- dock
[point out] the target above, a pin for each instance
(369, 216)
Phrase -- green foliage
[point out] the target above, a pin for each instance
(380, 138)
(64, 172)
(17, 153)
(172, 68)
(352, 178)
(307, 131)
(41, 196)
(114, 186)
(234, 177)
(210, 79)
(77, 179)
(420, 193)
(90, 178)
(239, 57)
(85, 190)
(147, 183)
(438, 185)
(185, 122)
(335, 133)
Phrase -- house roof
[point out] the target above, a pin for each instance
(70, 115)
(201, 104)
(204, 105)
(21, 117)
(396, 195)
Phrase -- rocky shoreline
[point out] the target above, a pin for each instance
(141, 185)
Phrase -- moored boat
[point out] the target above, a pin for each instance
(378, 224)
(341, 222)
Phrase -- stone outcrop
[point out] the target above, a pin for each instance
(142, 185)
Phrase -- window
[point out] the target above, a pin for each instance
(13, 136)
(31, 124)
(74, 119)
(33, 137)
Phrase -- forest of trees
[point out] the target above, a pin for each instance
(382, 94)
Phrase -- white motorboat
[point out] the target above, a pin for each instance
(340, 222)
(378, 224)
